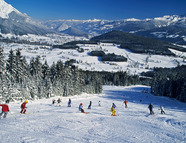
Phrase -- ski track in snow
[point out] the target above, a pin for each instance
(47, 123)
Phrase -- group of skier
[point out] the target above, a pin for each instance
(5, 107)
(59, 102)
(151, 109)
(89, 106)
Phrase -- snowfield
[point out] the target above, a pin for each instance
(136, 63)
(48, 123)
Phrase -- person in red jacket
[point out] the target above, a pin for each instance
(5, 110)
(23, 107)
(126, 103)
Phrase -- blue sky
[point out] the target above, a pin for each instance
(99, 9)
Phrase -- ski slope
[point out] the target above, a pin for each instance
(48, 123)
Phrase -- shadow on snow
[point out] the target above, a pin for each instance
(136, 95)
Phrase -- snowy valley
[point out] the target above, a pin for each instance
(136, 63)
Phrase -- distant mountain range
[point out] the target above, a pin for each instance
(167, 28)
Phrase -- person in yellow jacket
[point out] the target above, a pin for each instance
(113, 111)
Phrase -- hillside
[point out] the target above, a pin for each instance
(74, 32)
(136, 44)
(47, 123)
(173, 34)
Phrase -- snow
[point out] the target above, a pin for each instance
(159, 34)
(173, 18)
(178, 53)
(132, 19)
(136, 63)
(47, 123)
(166, 35)
(184, 38)
(6, 9)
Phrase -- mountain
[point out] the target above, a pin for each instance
(74, 32)
(92, 27)
(174, 27)
(13, 21)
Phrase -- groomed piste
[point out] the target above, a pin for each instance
(47, 123)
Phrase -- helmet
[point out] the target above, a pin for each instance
(81, 103)
(26, 101)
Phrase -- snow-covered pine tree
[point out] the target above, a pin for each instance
(2, 75)
(46, 82)
(36, 75)
(11, 65)
(169, 82)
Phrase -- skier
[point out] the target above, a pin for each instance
(53, 101)
(81, 108)
(99, 103)
(23, 107)
(151, 109)
(113, 105)
(89, 107)
(126, 103)
(5, 110)
(59, 102)
(69, 102)
(162, 110)
(7, 101)
(113, 110)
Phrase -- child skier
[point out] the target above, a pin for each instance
(5, 110)
(7, 101)
(69, 102)
(162, 110)
(126, 103)
(113, 110)
(113, 105)
(151, 109)
(81, 108)
(89, 107)
(53, 101)
(99, 103)
(59, 102)
(23, 107)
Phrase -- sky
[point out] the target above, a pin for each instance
(98, 9)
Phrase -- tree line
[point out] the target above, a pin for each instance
(170, 82)
(34, 80)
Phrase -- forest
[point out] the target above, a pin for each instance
(35, 80)
(170, 82)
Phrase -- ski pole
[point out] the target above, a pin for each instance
(12, 115)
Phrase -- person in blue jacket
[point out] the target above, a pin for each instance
(151, 109)
(89, 106)
(81, 108)
(69, 102)
(113, 105)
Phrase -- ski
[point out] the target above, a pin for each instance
(25, 113)
(85, 112)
